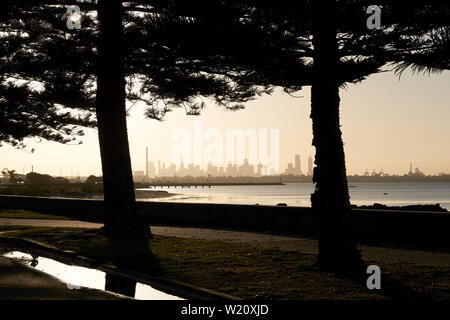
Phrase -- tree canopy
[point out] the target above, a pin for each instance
(171, 60)
(179, 55)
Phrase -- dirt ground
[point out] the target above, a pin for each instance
(388, 254)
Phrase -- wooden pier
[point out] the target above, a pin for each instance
(208, 184)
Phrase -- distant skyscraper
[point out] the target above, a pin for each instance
(260, 170)
(182, 169)
(310, 166)
(146, 162)
(151, 170)
(290, 169)
(298, 169)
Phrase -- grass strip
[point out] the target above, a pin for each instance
(241, 270)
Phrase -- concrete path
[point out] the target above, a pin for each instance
(284, 242)
(301, 244)
(48, 223)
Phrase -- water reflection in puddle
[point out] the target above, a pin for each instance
(76, 277)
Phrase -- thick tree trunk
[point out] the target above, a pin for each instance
(120, 205)
(120, 285)
(330, 201)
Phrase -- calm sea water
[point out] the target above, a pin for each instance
(298, 194)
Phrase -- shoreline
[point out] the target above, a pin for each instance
(226, 193)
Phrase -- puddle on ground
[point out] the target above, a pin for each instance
(76, 277)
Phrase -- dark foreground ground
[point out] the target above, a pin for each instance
(249, 265)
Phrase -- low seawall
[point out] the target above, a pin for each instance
(405, 227)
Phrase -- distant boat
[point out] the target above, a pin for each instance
(385, 193)
(353, 186)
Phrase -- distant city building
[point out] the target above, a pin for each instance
(268, 172)
(290, 169)
(182, 171)
(416, 173)
(139, 176)
(170, 171)
(231, 170)
(260, 169)
(198, 170)
(212, 170)
(310, 166)
(294, 169)
(246, 169)
(298, 169)
(147, 174)
(151, 169)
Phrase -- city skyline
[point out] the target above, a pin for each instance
(156, 169)
(160, 168)
(412, 112)
(246, 169)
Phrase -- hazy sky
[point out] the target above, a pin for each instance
(386, 124)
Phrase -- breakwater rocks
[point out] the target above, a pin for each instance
(416, 207)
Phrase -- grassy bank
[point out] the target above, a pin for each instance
(71, 190)
(25, 214)
(60, 190)
(243, 270)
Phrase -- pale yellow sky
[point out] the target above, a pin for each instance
(386, 124)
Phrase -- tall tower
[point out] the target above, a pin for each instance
(298, 169)
(310, 166)
(146, 162)
(159, 167)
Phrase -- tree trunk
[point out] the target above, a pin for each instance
(120, 285)
(120, 204)
(330, 200)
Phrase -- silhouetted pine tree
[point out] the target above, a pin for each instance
(341, 50)
(345, 50)
(155, 52)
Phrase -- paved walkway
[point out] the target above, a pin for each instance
(302, 244)
(284, 242)
(48, 223)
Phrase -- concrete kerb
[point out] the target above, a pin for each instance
(170, 286)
